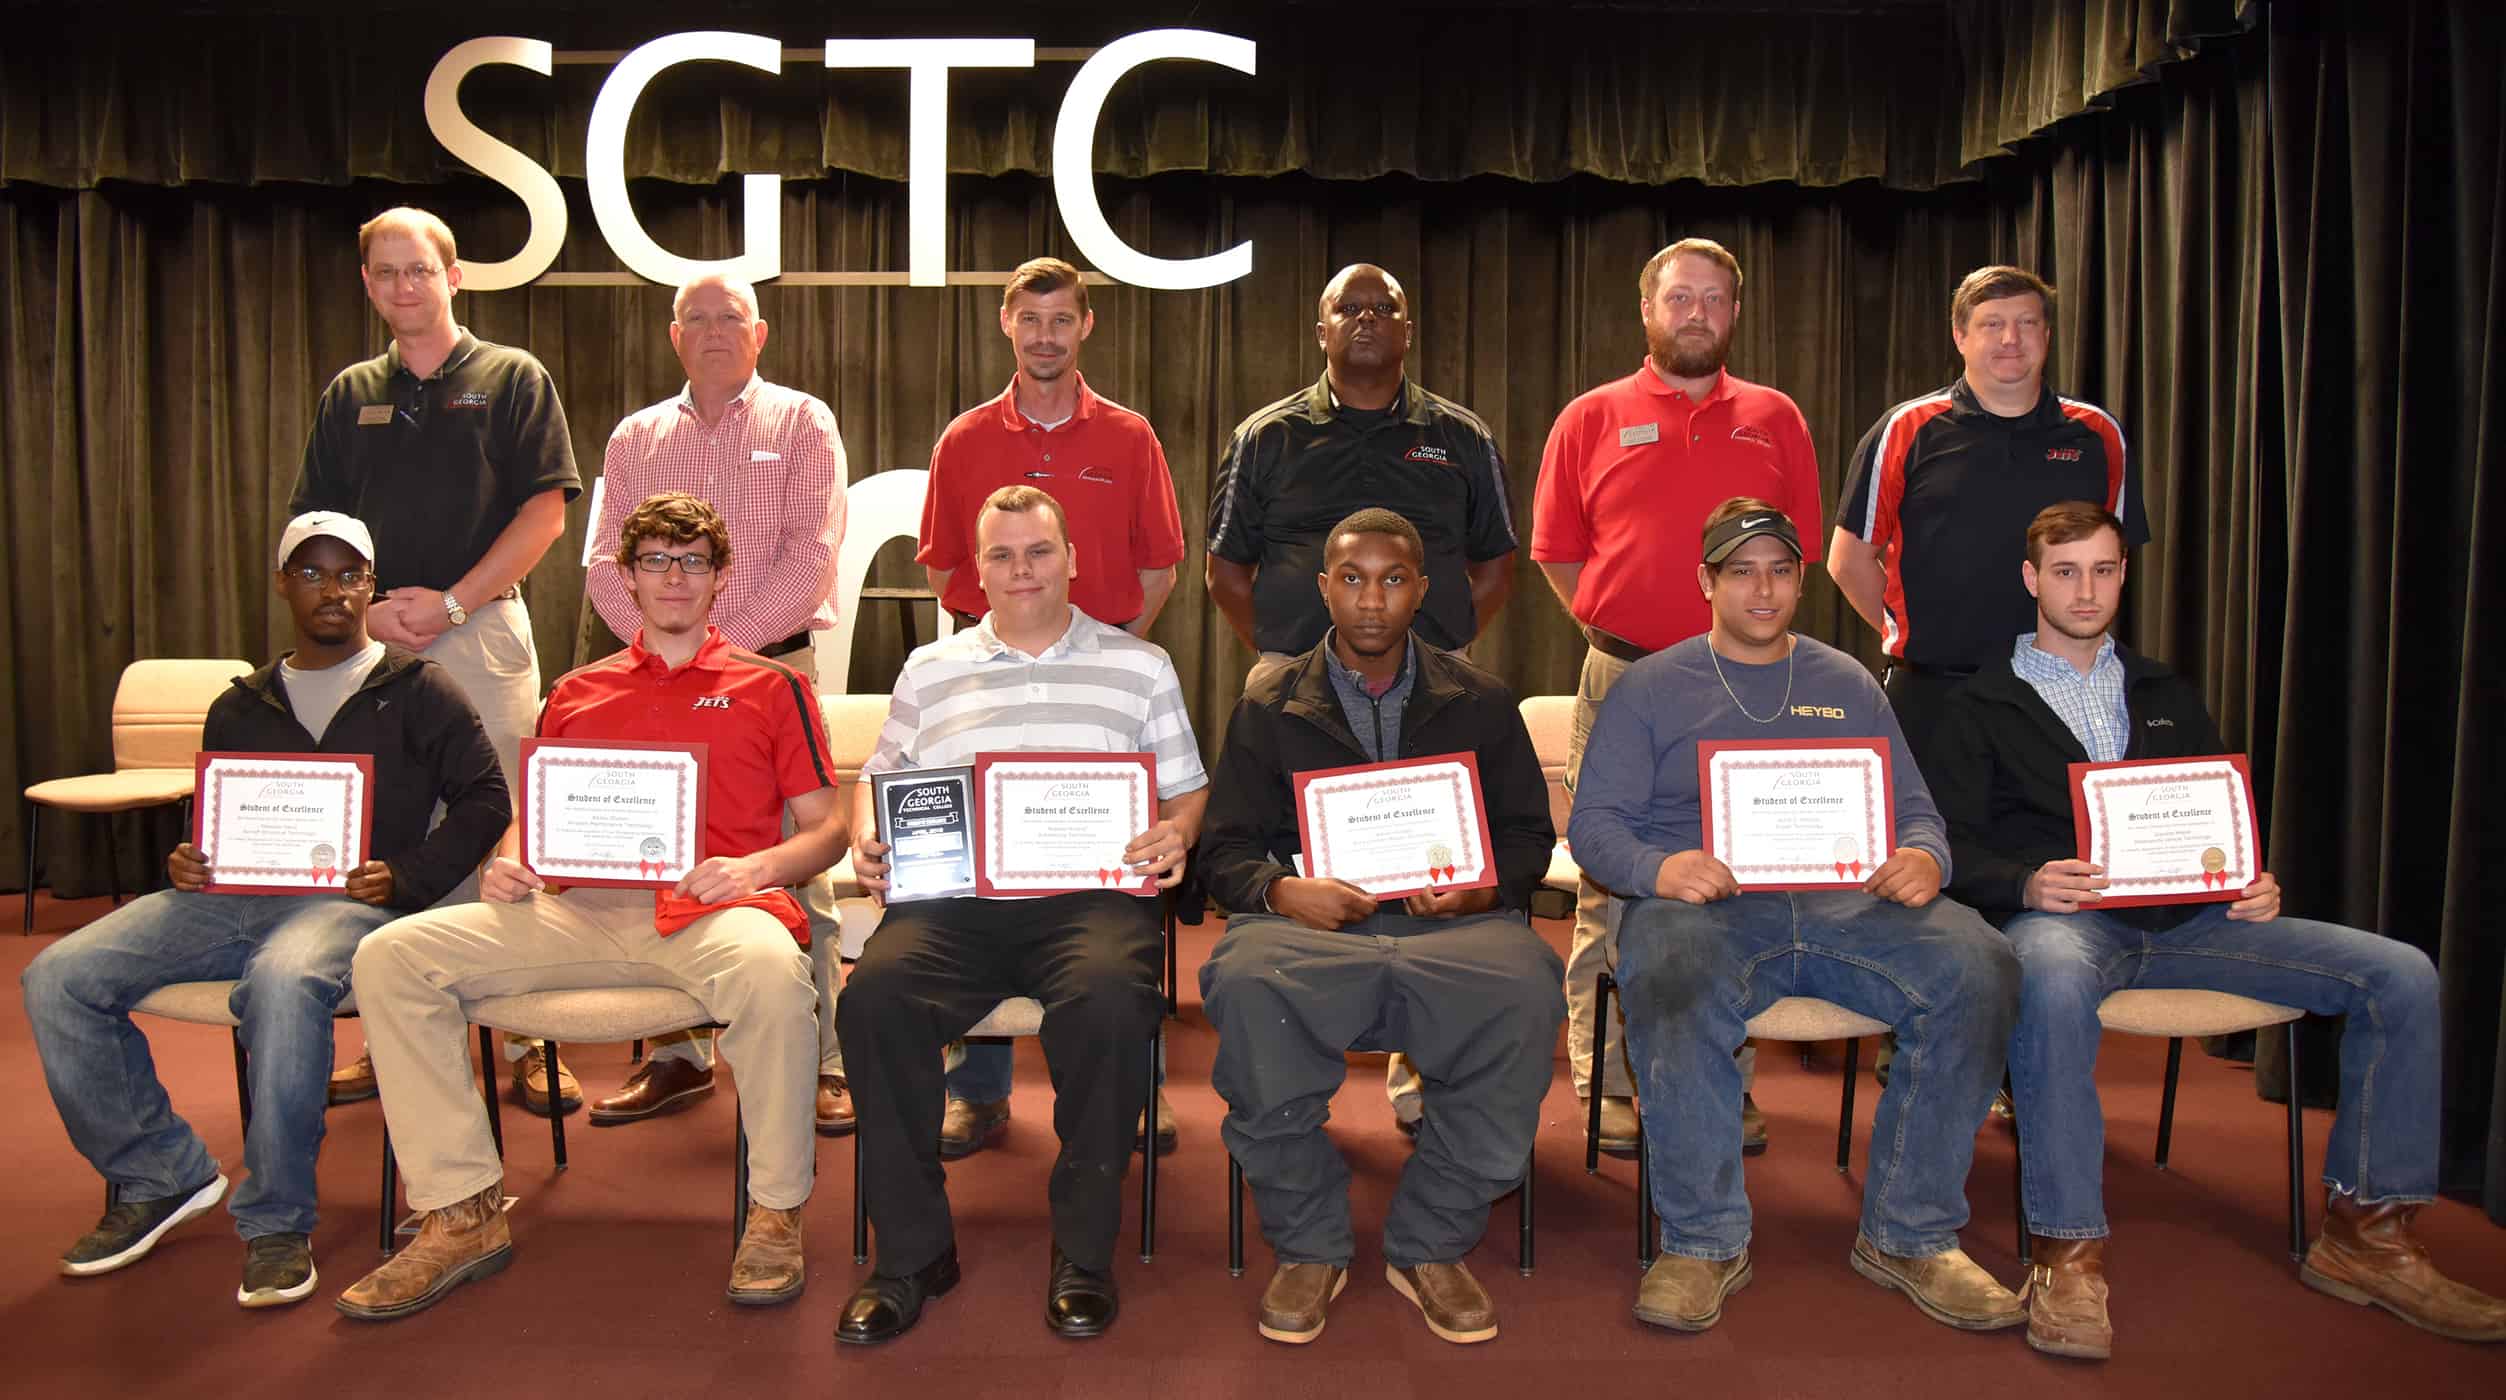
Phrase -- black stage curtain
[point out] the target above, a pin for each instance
(2281, 262)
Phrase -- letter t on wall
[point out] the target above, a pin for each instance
(926, 146)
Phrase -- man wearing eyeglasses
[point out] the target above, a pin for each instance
(455, 452)
(769, 460)
(338, 691)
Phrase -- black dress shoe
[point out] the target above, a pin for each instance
(1080, 1302)
(888, 1305)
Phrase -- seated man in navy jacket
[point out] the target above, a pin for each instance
(1698, 956)
(1311, 968)
(337, 692)
(2068, 693)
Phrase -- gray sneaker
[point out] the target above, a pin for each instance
(131, 1228)
(278, 1269)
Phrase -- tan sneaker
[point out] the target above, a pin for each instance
(1949, 1287)
(835, 1106)
(464, 1241)
(1455, 1306)
(2066, 1298)
(1619, 1128)
(530, 1082)
(2370, 1255)
(1292, 1307)
(768, 1268)
(353, 1083)
(1687, 1294)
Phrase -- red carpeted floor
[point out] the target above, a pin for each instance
(616, 1286)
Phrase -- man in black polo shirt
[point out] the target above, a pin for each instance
(1941, 490)
(454, 451)
(1363, 435)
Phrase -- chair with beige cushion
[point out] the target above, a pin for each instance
(1550, 719)
(158, 710)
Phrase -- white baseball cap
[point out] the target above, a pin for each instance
(347, 529)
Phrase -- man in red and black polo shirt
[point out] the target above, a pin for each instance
(729, 934)
(1942, 489)
(1631, 471)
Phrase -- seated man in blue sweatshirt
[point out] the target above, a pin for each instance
(1697, 956)
(338, 692)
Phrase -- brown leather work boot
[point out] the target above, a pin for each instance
(768, 1267)
(530, 1082)
(1455, 1306)
(1292, 1307)
(1620, 1131)
(1686, 1294)
(966, 1126)
(835, 1106)
(1949, 1287)
(353, 1083)
(2369, 1255)
(463, 1241)
(2066, 1298)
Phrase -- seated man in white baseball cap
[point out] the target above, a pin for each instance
(337, 692)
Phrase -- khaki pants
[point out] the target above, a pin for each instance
(413, 974)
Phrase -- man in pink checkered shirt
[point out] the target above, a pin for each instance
(769, 460)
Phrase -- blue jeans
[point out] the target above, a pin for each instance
(1694, 974)
(2383, 1144)
(291, 953)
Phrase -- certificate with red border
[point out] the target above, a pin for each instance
(2167, 830)
(1797, 814)
(282, 823)
(1055, 823)
(1393, 829)
(615, 812)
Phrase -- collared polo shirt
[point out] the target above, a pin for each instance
(1096, 689)
(1104, 465)
(765, 742)
(436, 467)
(1943, 489)
(773, 467)
(2092, 707)
(1630, 473)
(1304, 464)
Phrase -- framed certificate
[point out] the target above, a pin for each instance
(1057, 822)
(282, 823)
(1797, 814)
(616, 812)
(1395, 829)
(927, 818)
(2168, 831)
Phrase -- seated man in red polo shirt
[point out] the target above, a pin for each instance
(727, 934)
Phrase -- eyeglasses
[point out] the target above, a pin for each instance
(689, 564)
(416, 274)
(349, 580)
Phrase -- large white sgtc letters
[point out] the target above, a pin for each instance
(928, 61)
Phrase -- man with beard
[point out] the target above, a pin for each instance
(1630, 471)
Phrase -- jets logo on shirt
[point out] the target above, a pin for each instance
(1751, 432)
(1436, 455)
(2062, 454)
(711, 702)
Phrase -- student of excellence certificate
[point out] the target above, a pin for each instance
(282, 823)
(1395, 829)
(612, 812)
(2168, 831)
(1053, 823)
(1797, 814)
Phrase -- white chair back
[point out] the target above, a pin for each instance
(878, 508)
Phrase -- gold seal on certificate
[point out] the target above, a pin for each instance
(612, 812)
(1796, 814)
(2168, 831)
(1055, 823)
(282, 823)
(1394, 829)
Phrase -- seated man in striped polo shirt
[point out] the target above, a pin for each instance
(1035, 674)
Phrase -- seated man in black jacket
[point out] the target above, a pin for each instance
(338, 692)
(2069, 694)
(1311, 968)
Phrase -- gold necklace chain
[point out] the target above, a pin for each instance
(1791, 652)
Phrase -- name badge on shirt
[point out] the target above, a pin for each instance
(374, 415)
(1639, 435)
(762, 455)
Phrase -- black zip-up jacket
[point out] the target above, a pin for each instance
(1289, 722)
(2002, 777)
(427, 745)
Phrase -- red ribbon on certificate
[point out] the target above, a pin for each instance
(649, 869)
(322, 873)
(1845, 867)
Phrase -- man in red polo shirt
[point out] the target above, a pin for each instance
(728, 934)
(1630, 473)
(1103, 463)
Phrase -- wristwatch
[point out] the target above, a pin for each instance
(453, 611)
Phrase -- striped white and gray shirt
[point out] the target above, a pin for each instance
(1096, 690)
